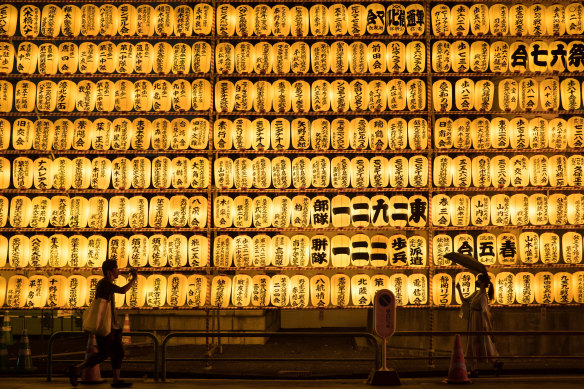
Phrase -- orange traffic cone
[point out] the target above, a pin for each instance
(457, 372)
(126, 339)
(91, 375)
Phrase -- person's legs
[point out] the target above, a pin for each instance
(117, 356)
(103, 351)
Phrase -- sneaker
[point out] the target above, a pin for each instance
(73, 375)
(121, 384)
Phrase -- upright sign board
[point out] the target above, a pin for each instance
(384, 327)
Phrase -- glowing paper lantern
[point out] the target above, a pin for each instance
(136, 295)
(577, 287)
(57, 296)
(300, 250)
(416, 251)
(574, 22)
(118, 211)
(549, 246)
(138, 209)
(96, 250)
(280, 289)
(158, 211)
(38, 288)
(76, 290)
(544, 288)
(157, 250)
(507, 248)
(299, 291)
(442, 244)
(241, 290)
(340, 250)
(79, 212)
(528, 247)
(320, 251)
(360, 250)
(198, 251)
(340, 290)
(440, 16)
(242, 251)
(417, 171)
(361, 290)
(320, 290)
(504, 288)
(486, 248)
(16, 290)
(572, 247)
(177, 250)
(398, 250)
(466, 280)
(138, 245)
(77, 250)
(178, 211)
(398, 284)
(525, 288)
(281, 215)
(156, 290)
(20, 211)
(500, 210)
(440, 210)
(563, 288)
(320, 210)
(196, 291)
(442, 289)
(176, 288)
(418, 289)
(91, 287)
(223, 251)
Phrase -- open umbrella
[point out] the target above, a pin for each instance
(467, 261)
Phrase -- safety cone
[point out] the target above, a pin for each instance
(24, 360)
(7, 330)
(457, 371)
(91, 375)
(3, 356)
(127, 340)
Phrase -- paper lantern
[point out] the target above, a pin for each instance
(574, 22)
(484, 95)
(464, 244)
(96, 250)
(57, 294)
(544, 288)
(242, 251)
(361, 290)
(18, 251)
(538, 165)
(43, 177)
(525, 288)
(27, 57)
(157, 250)
(320, 251)
(79, 212)
(461, 171)
(77, 257)
(440, 16)
(196, 290)
(262, 250)
(500, 210)
(159, 211)
(508, 96)
(486, 244)
(359, 172)
(378, 96)
(260, 289)
(16, 290)
(280, 288)
(442, 92)
(339, 53)
(417, 211)
(504, 288)
(242, 207)
(359, 133)
(563, 288)
(415, 16)
(38, 288)
(91, 282)
(507, 248)
(416, 57)
(549, 92)
(341, 211)
(529, 247)
(242, 290)
(575, 208)
(81, 167)
(378, 172)
(416, 251)
(260, 134)
(262, 64)
(481, 171)
(557, 134)
(76, 290)
(418, 171)
(320, 167)
(176, 292)
(320, 290)
(6, 91)
(281, 172)
(549, 247)
(398, 284)
(441, 210)
(261, 168)
(572, 247)
(198, 251)
(177, 250)
(281, 214)
(138, 217)
(136, 295)
(538, 209)
(558, 209)
(262, 212)
(379, 210)
(396, 23)
(118, 211)
(20, 211)
(480, 210)
(360, 250)
(518, 20)
(302, 173)
(466, 280)
(300, 250)
(443, 133)
(442, 289)
(60, 211)
(320, 57)
(398, 250)
(138, 246)
(499, 57)
(280, 250)
(156, 287)
(340, 250)
(441, 56)
(223, 251)
(299, 291)
(340, 290)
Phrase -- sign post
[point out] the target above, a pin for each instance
(384, 327)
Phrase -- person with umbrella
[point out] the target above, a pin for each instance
(476, 310)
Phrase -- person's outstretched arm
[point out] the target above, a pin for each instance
(125, 288)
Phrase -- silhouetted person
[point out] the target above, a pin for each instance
(111, 344)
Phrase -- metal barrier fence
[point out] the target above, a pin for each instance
(63, 334)
(242, 334)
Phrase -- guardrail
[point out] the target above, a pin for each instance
(63, 334)
(242, 334)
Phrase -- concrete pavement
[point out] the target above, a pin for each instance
(511, 382)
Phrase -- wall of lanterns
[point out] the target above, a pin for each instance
(285, 155)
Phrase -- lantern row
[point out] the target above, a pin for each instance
(298, 291)
(182, 95)
(162, 252)
(164, 20)
(245, 57)
(244, 95)
(520, 132)
(501, 19)
(556, 171)
(295, 57)
(300, 211)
